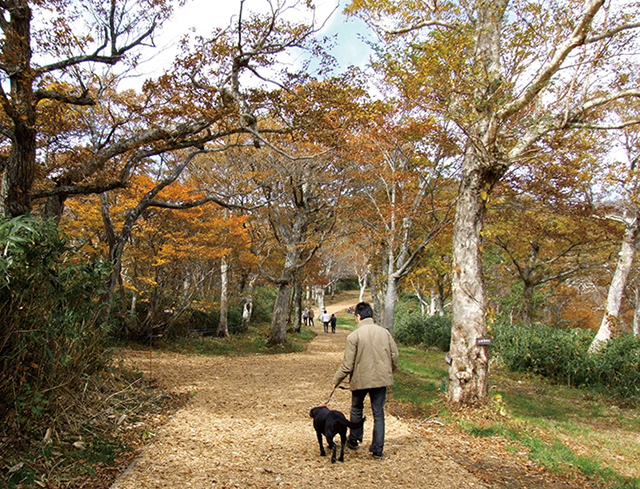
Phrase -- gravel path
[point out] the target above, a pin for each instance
(247, 425)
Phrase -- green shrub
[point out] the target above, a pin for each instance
(431, 331)
(53, 330)
(562, 356)
(616, 366)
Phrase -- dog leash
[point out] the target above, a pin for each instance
(331, 395)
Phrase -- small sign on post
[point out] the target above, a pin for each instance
(483, 341)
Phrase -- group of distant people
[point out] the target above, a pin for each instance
(326, 319)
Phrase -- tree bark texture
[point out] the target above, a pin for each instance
(22, 110)
(297, 305)
(280, 314)
(390, 301)
(468, 372)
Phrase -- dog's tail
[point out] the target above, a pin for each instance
(356, 425)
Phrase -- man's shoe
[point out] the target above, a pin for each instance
(353, 445)
(376, 455)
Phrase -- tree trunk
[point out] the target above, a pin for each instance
(362, 282)
(611, 318)
(223, 325)
(280, 314)
(469, 368)
(22, 158)
(247, 308)
(376, 295)
(433, 307)
(390, 301)
(282, 304)
(297, 305)
(320, 298)
(423, 304)
(4, 184)
(468, 371)
(527, 306)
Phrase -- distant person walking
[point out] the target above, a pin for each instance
(325, 318)
(370, 357)
(305, 317)
(333, 322)
(311, 324)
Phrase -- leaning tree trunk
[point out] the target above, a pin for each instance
(611, 317)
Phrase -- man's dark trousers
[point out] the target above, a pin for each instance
(377, 396)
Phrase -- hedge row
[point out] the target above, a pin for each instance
(562, 356)
(558, 354)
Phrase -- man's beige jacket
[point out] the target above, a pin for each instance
(370, 357)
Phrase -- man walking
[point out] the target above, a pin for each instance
(370, 357)
(325, 318)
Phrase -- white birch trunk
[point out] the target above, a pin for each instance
(247, 308)
(362, 282)
(611, 317)
(223, 326)
(320, 299)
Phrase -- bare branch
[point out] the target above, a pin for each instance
(612, 32)
(415, 27)
(195, 203)
(78, 189)
(609, 127)
(62, 97)
(576, 39)
(111, 59)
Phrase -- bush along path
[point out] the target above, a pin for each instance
(247, 425)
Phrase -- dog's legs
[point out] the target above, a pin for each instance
(332, 446)
(322, 452)
(343, 442)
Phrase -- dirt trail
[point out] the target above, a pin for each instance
(247, 425)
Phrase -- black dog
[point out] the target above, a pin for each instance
(330, 423)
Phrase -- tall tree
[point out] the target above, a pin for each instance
(508, 80)
(626, 177)
(42, 58)
(407, 193)
(300, 198)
